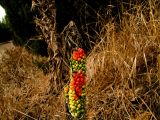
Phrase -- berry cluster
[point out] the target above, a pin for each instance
(76, 91)
(79, 54)
(77, 103)
(78, 60)
(79, 82)
(78, 65)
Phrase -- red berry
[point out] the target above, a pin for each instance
(78, 79)
(77, 89)
(79, 59)
(80, 50)
(81, 55)
(76, 83)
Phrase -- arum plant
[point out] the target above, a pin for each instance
(75, 92)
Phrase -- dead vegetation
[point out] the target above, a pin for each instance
(123, 80)
(123, 74)
(24, 89)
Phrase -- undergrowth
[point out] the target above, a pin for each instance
(24, 89)
(123, 72)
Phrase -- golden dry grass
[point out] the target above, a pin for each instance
(24, 89)
(123, 78)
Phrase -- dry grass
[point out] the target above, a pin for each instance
(123, 78)
(24, 89)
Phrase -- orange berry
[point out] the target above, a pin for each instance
(66, 89)
(72, 88)
(75, 97)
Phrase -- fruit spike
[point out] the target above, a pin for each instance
(76, 93)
